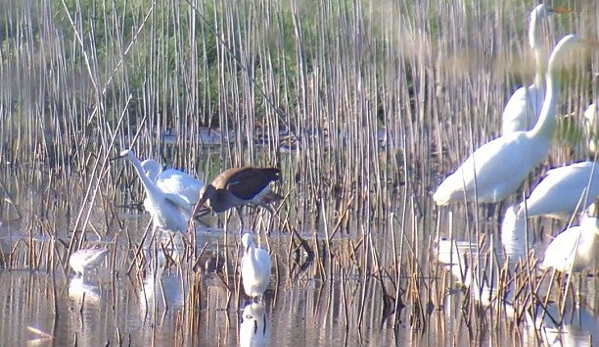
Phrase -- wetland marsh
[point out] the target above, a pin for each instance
(365, 106)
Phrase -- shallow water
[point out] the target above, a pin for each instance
(142, 309)
(184, 306)
(113, 310)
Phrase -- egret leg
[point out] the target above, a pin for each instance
(494, 214)
(498, 215)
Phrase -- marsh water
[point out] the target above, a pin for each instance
(125, 304)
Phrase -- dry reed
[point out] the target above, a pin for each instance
(364, 105)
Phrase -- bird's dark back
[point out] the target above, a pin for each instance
(247, 182)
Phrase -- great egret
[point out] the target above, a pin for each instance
(237, 187)
(169, 211)
(255, 267)
(557, 195)
(524, 106)
(173, 181)
(497, 168)
(574, 248)
(86, 259)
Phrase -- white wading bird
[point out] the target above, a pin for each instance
(169, 211)
(497, 168)
(557, 196)
(524, 106)
(173, 181)
(255, 267)
(575, 248)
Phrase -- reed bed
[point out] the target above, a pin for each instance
(365, 106)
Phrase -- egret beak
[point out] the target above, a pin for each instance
(117, 157)
(560, 9)
(592, 44)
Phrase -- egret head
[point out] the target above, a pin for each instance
(247, 241)
(539, 13)
(152, 168)
(126, 153)
(544, 10)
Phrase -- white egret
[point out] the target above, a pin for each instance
(173, 181)
(86, 259)
(557, 195)
(169, 211)
(497, 168)
(255, 267)
(576, 247)
(524, 106)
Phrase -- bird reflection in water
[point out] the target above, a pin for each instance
(254, 328)
(160, 291)
(79, 289)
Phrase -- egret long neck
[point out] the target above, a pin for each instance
(534, 39)
(540, 68)
(149, 185)
(546, 122)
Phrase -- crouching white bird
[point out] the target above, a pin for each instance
(255, 267)
(575, 248)
(85, 260)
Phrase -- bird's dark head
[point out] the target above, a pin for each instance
(207, 192)
(272, 173)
